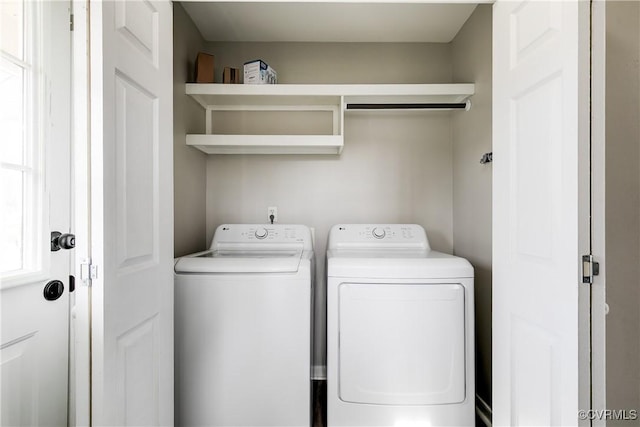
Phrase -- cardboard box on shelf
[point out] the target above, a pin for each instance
(259, 72)
(231, 75)
(204, 68)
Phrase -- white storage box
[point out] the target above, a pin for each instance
(259, 72)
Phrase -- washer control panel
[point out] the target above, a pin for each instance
(261, 233)
(227, 234)
(350, 235)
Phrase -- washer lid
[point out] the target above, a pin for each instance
(241, 261)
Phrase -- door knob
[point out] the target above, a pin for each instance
(53, 290)
(62, 241)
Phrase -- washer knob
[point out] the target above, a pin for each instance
(261, 233)
(378, 233)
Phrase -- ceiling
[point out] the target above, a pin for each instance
(328, 22)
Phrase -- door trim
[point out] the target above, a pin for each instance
(80, 346)
(598, 107)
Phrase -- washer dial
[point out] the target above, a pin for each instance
(378, 233)
(261, 233)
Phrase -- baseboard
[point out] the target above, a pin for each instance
(483, 411)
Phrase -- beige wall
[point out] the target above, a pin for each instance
(369, 180)
(342, 62)
(623, 205)
(189, 164)
(472, 181)
(395, 167)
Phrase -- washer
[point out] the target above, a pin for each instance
(243, 328)
(400, 346)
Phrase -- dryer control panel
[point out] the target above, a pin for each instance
(407, 236)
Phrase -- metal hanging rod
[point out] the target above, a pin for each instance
(412, 106)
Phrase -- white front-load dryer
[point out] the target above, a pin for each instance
(400, 347)
(243, 328)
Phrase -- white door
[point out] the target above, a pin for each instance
(132, 212)
(34, 199)
(540, 211)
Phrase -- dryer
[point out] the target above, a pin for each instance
(400, 341)
(243, 328)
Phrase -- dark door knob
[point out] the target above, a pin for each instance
(53, 290)
(62, 241)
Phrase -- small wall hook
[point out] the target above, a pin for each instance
(486, 158)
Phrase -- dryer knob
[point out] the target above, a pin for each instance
(378, 233)
(261, 233)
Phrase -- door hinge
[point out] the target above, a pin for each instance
(71, 22)
(88, 272)
(590, 268)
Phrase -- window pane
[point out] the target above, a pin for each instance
(11, 191)
(12, 27)
(11, 113)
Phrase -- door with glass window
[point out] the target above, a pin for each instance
(34, 201)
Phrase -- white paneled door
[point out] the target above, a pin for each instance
(132, 212)
(540, 211)
(35, 47)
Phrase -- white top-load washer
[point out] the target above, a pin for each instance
(243, 328)
(400, 346)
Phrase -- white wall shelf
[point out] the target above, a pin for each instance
(336, 98)
(267, 144)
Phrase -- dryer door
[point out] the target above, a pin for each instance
(401, 344)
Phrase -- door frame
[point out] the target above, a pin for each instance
(598, 161)
(590, 225)
(82, 402)
(80, 345)
(80, 388)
